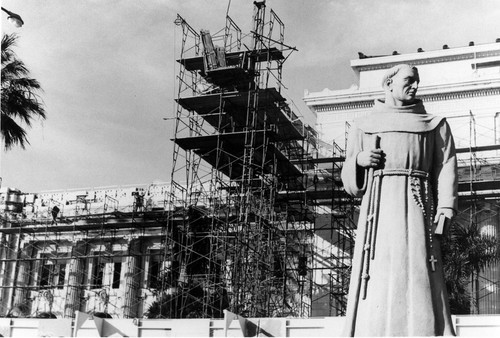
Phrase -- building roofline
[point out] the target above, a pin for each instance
(365, 99)
(459, 53)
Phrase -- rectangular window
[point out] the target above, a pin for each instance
(279, 265)
(97, 277)
(154, 278)
(46, 273)
(117, 269)
(52, 273)
(61, 275)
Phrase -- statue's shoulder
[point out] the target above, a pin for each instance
(412, 120)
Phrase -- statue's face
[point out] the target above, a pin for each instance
(404, 85)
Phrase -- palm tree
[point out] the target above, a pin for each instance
(20, 101)
(466, 253)
(186, 304)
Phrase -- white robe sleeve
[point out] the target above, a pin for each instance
(353, 176)
(445, 168)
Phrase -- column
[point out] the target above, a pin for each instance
(22, 279)
(5, 272)
(131, 280)
(74, 287)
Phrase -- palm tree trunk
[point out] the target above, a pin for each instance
(472, 295)
(476, 284)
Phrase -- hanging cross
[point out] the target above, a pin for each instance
(433, 262)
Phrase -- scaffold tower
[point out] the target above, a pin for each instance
(228, 237)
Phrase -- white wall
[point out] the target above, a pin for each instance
(465, 325)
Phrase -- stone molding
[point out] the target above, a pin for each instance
(366, 104)
(438, 59)
(429, 57)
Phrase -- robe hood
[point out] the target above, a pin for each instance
(411, 119)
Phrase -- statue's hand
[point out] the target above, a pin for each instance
(374, 158)
(447, 212)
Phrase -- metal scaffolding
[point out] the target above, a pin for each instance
(66, 252)
(254, 220)
(479, 210)
(235, 142)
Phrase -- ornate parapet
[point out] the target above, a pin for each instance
(427, 95)
(478, 52)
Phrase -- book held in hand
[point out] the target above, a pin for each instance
(442, 225)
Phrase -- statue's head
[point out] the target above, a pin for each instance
(400, 84)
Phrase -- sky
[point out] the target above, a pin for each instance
(107, 68)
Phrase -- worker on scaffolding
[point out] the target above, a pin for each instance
(402, 161)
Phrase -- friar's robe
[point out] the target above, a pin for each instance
(403, 296)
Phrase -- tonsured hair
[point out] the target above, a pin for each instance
(394, 70)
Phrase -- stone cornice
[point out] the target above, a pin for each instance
(439, 56)
(365, 104)
(343, 106)
(440, 59)
(461, 95)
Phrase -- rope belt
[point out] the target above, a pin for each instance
(401, 172)
(417, 178)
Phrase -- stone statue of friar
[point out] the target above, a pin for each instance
(402, 161)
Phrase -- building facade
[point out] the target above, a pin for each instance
(95, 250)
(458, 83)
